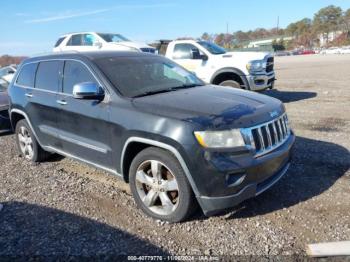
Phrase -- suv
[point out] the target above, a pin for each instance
(177, 141)
(92, 41)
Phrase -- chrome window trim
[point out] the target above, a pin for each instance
(165, 146)
(56, 59)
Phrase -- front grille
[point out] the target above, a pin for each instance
(269, 64)
(268, 136)
(148, 50)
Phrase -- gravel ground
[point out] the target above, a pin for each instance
(62, 207)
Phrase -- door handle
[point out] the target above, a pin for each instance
(61, 102)
(29, 95)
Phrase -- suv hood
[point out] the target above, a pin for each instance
(212, 107)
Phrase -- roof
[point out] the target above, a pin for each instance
(88, 55)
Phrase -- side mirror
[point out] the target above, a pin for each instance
(88, 90)
(196, 55)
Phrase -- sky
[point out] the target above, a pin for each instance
(29, 27)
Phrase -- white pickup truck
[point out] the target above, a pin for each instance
(213, 64)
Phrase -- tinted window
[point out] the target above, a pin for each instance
(75, 73)
(183, 51)
(141, 75)
(27, 75)
(212, 48)
(47, 76)
(113, 37)
(59, 41)
(75, 40)
(88, 39)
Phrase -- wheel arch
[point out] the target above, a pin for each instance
(16, 115)
(239, 75)
(138, 144)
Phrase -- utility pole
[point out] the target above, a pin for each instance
(226, 28)
(278, 23)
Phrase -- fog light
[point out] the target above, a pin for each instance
(235, 179)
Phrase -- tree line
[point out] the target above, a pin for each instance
(305, 32)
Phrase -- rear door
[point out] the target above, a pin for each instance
(41, 107)
(83, 124)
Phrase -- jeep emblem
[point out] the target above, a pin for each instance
(273, 114)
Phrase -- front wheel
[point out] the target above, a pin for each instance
(231, 83)
(160, 187)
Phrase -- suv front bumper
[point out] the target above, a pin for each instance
(261, 82)
(259, 175)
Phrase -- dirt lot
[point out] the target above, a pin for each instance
(62, 207)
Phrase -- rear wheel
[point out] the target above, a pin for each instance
(27, 144)
(231, 83)
(160, 187)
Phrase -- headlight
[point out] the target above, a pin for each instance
(220, 139)
(256, 66)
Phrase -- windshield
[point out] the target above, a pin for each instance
(212, 48)
(113, 37)
(137, 76)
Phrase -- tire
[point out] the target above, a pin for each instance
(153, 197)
(27, 144)
(231, 83)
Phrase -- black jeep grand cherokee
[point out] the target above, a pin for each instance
(177, 141)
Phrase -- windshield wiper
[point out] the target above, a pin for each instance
(184, 86)
(148, 93)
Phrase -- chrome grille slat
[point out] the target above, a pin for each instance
(261, 139)
(268, 136)
(280, 130)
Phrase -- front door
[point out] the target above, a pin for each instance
(183, 56)
(83, 125)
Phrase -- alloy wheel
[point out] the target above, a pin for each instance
(157, 187)
(25, 142)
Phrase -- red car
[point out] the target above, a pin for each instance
(307, 52)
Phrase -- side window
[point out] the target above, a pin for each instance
(48, 75)
(88, 40)
(59, 41)
(75, 73)
(75, 40)
(27, 75)
(183, 51)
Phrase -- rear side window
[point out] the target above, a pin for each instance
(27, 75)
(75, 40)
(47, 76)
(75, 73)
(59, 41)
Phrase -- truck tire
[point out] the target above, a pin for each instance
(231, 83)
(27, 144)
(160, 187)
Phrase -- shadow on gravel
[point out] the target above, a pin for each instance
(5, 133)
(289, 96)
(316, 166)
(31, 230)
